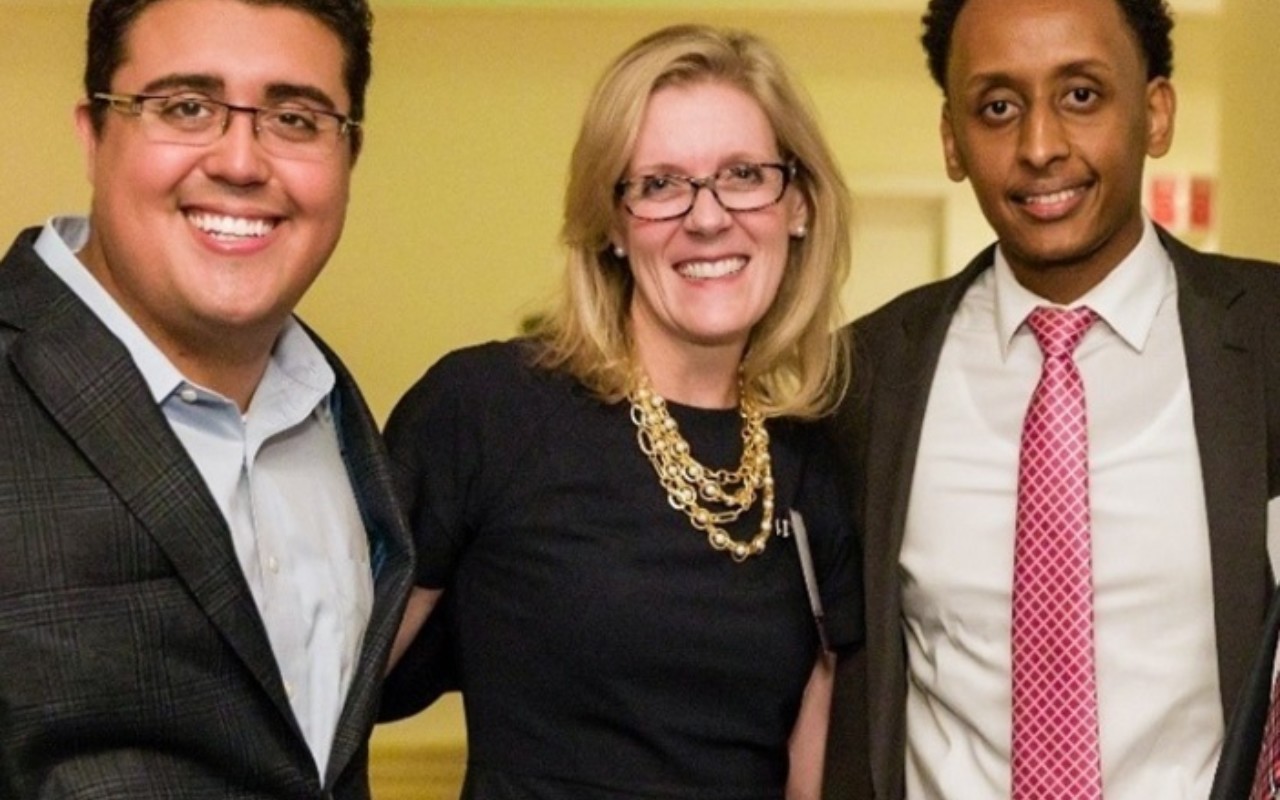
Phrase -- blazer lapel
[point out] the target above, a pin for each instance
(1243, 741)
(1225, 371)
(90, 386)
(390, 557)
(904, 367)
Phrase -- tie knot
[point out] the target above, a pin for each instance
(1059, 330)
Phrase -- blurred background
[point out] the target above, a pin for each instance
(451, 236)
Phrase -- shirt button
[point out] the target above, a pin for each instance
(288, 689)
(272, 564)
(188, 395)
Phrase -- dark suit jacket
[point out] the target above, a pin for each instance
(1230, 316)
(133, 661)
(1244, 733)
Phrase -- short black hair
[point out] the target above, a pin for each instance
(350, 20)
(1150, 20)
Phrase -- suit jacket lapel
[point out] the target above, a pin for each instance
(1225, 371)
(90, 386)
(391, 559)
(1243, 743)
(902, 384)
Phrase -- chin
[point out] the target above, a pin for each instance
(1056, 251)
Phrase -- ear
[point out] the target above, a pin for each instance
(956, 170)
(87, 135)
(1162, 106)
(797, 212)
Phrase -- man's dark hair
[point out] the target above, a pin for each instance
(1150, 20)
(350, 20)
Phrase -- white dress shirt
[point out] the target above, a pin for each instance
(277, 474)
(1160, 713)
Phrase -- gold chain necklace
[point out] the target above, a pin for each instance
(689, 484)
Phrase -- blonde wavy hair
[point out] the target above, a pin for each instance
(793, 362)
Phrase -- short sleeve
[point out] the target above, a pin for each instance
(433, 437)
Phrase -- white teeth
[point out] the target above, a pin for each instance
(1050, 199)
(711, 269)
(231, 227)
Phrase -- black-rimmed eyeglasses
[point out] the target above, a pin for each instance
(290, 131)
(741, 187)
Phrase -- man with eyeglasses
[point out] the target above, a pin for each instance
(201, 562)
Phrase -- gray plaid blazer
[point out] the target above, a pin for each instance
(133, 661)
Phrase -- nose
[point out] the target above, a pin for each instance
(707, 215)
(1043, 137)
(237, 156)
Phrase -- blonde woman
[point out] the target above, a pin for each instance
(611, 505)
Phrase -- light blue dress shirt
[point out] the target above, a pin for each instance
(277, 474)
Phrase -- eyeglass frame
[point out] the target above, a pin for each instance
(790, 170)
(118, 102)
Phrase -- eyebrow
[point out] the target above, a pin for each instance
(667, 168)
(279, 92)
(212, 85)
(1000, 78)
(193, 81)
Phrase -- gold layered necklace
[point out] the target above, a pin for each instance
(711, 498)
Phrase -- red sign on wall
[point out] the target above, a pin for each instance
(1181, 203)
(1201, 203)
(1162, 201)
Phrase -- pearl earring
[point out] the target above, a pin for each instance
(619, 252)
(800, 232)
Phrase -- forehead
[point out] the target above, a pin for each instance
(1030, 39)
(702, 123)
(242, 46)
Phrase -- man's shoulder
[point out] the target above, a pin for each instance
(922, 304)
(1200, 264)
(21, 270)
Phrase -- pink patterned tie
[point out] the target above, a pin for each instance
(1055, 693)
(1267, 776)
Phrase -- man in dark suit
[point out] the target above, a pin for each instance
(1051, 107)
(201, 562)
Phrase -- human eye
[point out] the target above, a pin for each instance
(293, 123)
(741, 177)
(659, 187)
(1082, 97)
(188, 112)
(997, 111)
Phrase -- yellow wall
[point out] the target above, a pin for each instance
(451, 236)
(1251, 129)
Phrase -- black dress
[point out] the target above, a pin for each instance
(604, 648)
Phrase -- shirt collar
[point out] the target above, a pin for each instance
(295, 358)
(1127, 299)
(58, 244)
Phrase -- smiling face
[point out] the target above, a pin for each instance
(702, 281)
(209, 248)
(1050, 116)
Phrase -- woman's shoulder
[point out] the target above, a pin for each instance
(488, 369)
(495, 379)
(488, 361)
